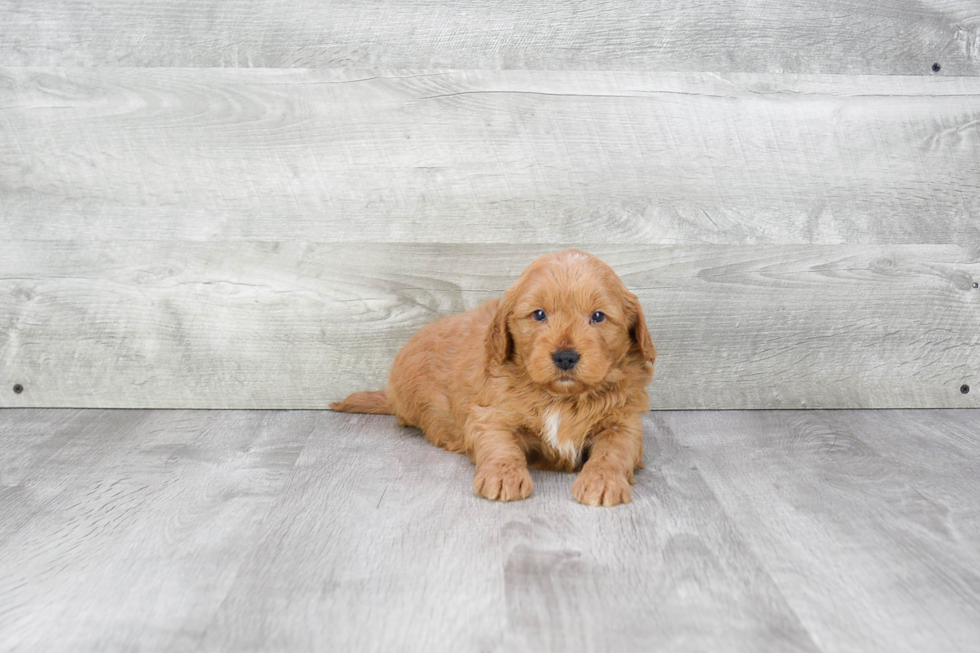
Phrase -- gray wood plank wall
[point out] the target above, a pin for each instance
(234, 205)
(795, 36)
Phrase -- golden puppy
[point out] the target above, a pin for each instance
(553, 376)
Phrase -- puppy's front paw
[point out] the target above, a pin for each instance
(601, 488)
(499, 482)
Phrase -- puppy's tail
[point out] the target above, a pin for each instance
(375, 403)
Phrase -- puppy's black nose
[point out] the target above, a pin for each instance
(565, 359)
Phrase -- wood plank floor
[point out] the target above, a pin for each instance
(306, 530)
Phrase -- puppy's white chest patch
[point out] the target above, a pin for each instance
(566, 448)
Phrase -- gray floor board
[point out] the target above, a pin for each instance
(939, 451)
(301, 531)
(866, 560)
(397, 538)
(376, 541)
(129, 531)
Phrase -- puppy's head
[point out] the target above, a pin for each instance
(570, 324)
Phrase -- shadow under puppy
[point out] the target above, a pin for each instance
(553, 376)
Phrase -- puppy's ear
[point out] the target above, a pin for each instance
(638, 328)
(498, 342)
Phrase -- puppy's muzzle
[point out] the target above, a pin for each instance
(565, 359)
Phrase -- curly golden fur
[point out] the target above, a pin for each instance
(553, 376)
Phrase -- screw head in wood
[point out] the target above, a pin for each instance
(18, 388)
(965, 389)
(936, 67)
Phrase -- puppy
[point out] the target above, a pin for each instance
(553, 376)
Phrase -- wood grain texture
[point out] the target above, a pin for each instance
(843, 522)
(667, 572)
(296, 325)
(312, 531)
(488, 157)
(939, 449)
(836, 36)
(116, 526)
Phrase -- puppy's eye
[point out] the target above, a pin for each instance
(597, 317)
(539, 315)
